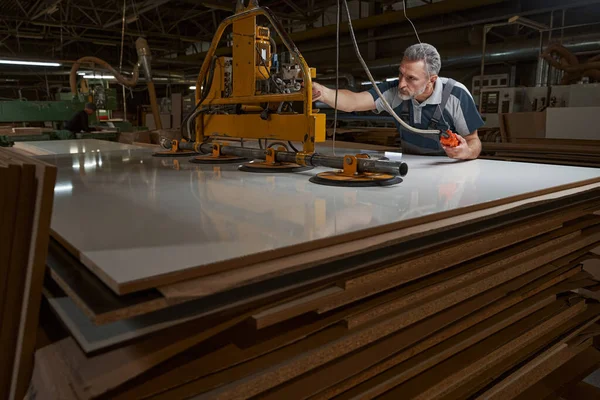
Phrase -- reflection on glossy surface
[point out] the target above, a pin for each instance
(134, 216)
(73, 146)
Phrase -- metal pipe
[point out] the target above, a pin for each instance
(394, 168)
(496, 53)
(388, 18)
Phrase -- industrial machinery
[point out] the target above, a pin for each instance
(144, 59)
(251, 95)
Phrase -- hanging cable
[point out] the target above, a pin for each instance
(424, 60)
(337, 71)
(121, 60)
(384, 102)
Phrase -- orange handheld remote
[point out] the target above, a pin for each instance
(449, 139)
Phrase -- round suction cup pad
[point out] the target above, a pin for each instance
(335, 179)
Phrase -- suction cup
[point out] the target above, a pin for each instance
(182, 153)
(210, 159)
(262, 167)
(331, 178)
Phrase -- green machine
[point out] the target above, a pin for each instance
(52, 115)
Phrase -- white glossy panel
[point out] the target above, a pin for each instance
(135, 216)
(75, 146)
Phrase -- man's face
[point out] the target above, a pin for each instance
(414, 79)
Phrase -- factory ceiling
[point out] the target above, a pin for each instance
(178, 31)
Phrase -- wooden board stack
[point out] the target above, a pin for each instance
(585, 153)
(26, 197)
(477, 304)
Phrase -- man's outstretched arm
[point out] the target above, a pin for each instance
(347, 101)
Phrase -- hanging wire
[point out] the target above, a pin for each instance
(121, 61)
(337, 71)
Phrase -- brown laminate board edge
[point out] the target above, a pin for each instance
(294, 262)
(15, 278)
(441, 378)
(534, 371)
(269, 317)
(92, 296)
(9, 195)
(214, 283)
(457, 253)
(46, 178)
(342, 297)
(560, 380)
(476, 283)
(571, 332)
(292, 367)
(406, 344)
(475, 268)
(274, 315)
(499, 301)
(101, 373)
(189, 371)
(168, 278)
(250, 389)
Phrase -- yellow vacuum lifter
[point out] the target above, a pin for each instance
(240, 98)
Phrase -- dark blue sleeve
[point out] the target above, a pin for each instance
(470, 113)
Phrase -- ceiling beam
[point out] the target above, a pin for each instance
(148, 6)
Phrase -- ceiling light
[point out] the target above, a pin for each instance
(98, 77)
(369, 83)
(193, 87)
(391, 79)
(36, 63)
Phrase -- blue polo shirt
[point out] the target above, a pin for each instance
(460, 115)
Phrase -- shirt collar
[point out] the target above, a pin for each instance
(436, 96)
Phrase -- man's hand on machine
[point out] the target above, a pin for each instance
(317, 91)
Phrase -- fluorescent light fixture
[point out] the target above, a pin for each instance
(36, 63)
(63, 188)
(192, 87)
(369, 83)
(391, 79)
(98, 77)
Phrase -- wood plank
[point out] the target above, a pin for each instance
(15, 278)
(267, 318)
(45, 176)
(534, 371)
(356, 369)
(574, 332)
(12, 179)
(305, 358)
(558, 381)
(452, 372)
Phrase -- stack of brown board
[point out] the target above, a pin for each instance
(25, 211)
(489, 294)
(547, 151)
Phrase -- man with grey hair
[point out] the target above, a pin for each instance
(423, 100)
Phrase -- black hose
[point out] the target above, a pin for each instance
(292, 146)
(279, 143)
(205, 91)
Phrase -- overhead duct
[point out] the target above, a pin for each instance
(495, 53)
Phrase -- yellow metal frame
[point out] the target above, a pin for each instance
(307, 128)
